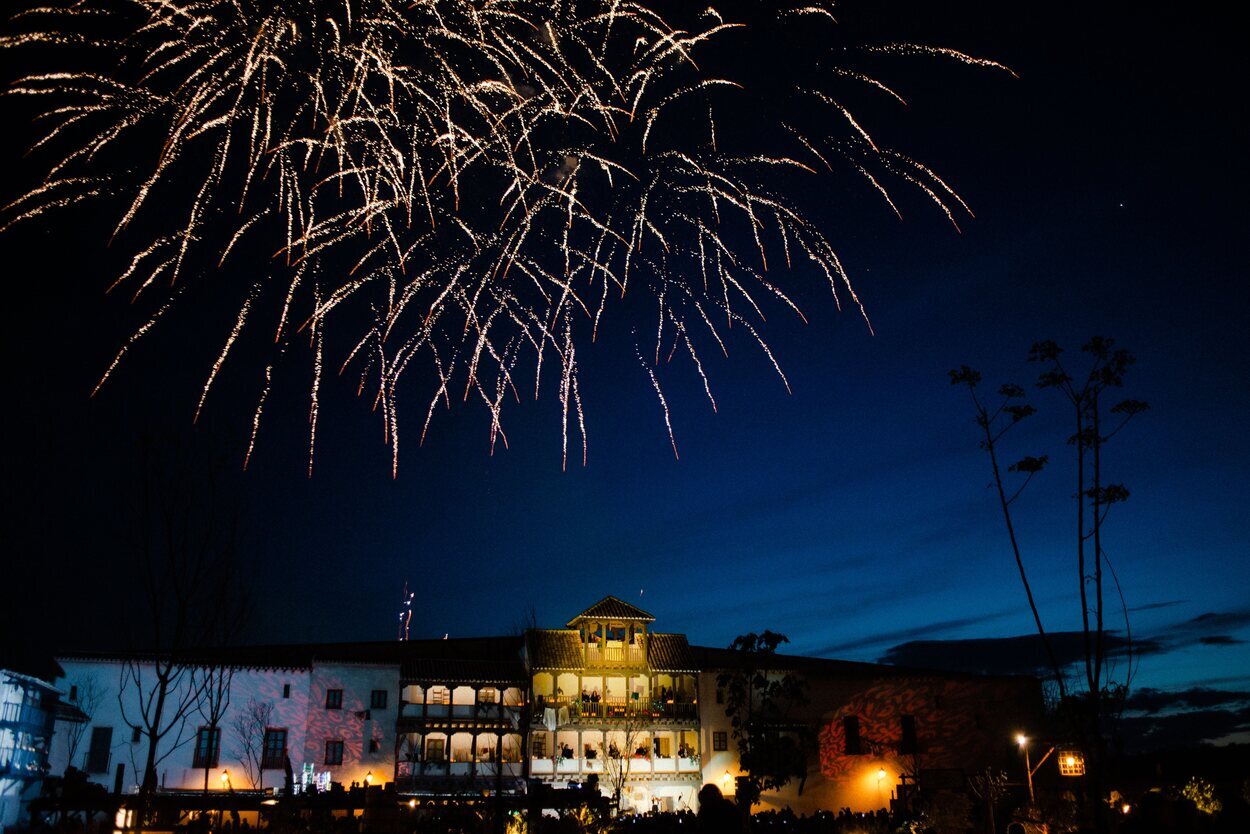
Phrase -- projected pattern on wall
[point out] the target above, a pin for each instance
(946, 715)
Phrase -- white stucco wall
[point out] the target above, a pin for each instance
(356, 723)
(175, 770)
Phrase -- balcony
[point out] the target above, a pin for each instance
(638, 765)
(615, 655)
(620, 709)
(491, 770)
(26, 717)
(440, 778)
(491, 713)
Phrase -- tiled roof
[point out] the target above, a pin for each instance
(611, 608)
(709, 659)
(497, 650)
(670, 653)
(451, 671)
(551, 648)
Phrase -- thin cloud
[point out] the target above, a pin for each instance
(904, 634)
(1154, 606)
(1220, 640)
(1183, 729)
(1198, 697)
(1019, 655)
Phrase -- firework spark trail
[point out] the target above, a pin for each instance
(462, 182)
(668, 422)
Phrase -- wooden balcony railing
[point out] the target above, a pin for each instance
(609, 709)
(625, 655)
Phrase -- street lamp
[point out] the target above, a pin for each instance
(1029, 769)
(225, 779)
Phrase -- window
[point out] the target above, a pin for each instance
(908, 742)
(73, 693)
(286, 690)
(207, 747)
(540, 747)
(374, 745)
(850, 728)
(440, 695)
(273, 756)
(334, 699)
(720, 740)
(98, 752)
(136, 735)
(488, 695)
(334, 751)
(435, 750)
(377, 699)
(720, 695)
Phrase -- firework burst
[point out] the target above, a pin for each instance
(466, 190)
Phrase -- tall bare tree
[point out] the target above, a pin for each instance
(216, 679)
(1095, 421)
(249, 727)
(185, 547)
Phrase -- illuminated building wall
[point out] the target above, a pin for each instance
(563, 706)
(363, 720)
(876, 724)
(27, 707)
(110, 740)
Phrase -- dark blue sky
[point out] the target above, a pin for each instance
(1109, 183)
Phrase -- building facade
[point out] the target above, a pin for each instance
(607, 700)
(29, 704)
(616, 703)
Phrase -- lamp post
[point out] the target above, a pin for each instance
(1029, 769)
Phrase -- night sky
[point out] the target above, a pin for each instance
(854, 515)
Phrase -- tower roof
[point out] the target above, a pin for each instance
(612, 608)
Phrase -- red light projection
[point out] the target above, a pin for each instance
(946, 715)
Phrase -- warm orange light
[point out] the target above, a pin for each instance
(1125, 808)
(369, 777)
(225, 777)
(881, 773)
(1071, 763)
(412, 803)
(1021, 739)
